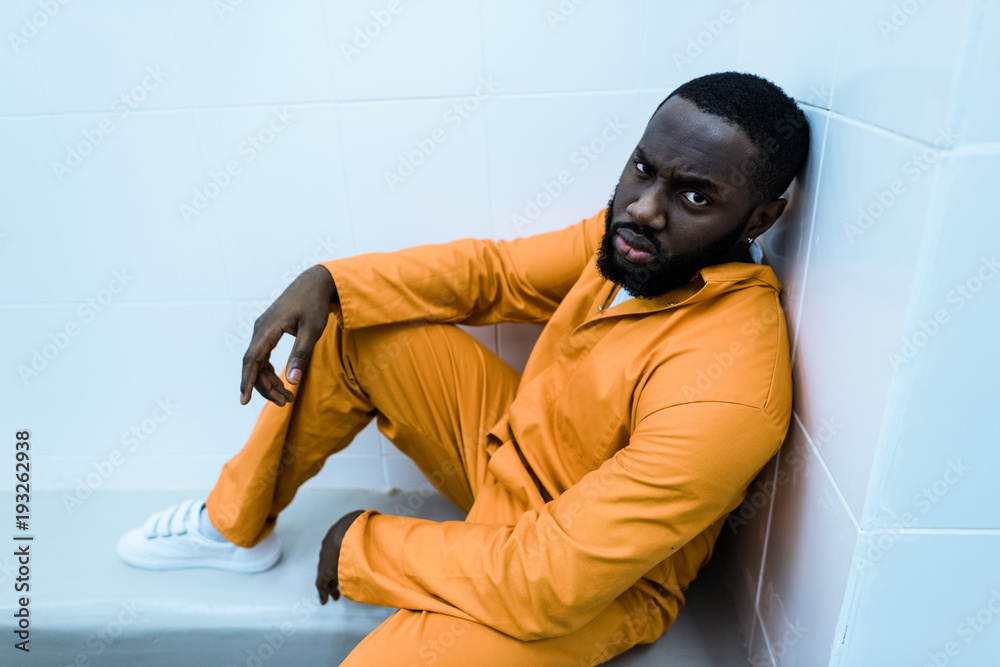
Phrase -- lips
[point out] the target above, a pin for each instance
(637, 241)
(633, 247)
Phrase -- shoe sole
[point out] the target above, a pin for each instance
(159, 564)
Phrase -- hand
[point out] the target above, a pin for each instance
(302, 310)
(327, 582)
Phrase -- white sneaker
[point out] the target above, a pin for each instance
(170, 540)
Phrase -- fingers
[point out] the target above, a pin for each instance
(327, 582)
(257, 370)
(327, 587)
(302, 310)
(256, 356)
(323, 595)
(248, 378)
(270, 386)
(305, 340)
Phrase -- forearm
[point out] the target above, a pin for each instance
(471, 281)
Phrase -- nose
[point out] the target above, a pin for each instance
(650, 209)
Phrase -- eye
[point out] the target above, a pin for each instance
(642, 167)
(695, 198)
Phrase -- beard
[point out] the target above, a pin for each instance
(661, 272)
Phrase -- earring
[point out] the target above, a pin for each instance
(749, 240)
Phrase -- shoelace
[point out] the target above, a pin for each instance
(175, 520)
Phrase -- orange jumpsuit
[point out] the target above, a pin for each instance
(596, 483)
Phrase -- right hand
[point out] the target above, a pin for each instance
(327, 576)
(302, 310)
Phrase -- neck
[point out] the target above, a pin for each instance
(738, 253)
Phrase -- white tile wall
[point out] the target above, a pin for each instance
(808, 558)
(116, 209)
(82, 59)
(698, 39)
(414, 49)
(899, 63)
(557, 158)
(974, 118)
(926, 599)
(402, 473)
(566, 46)
(940, 463)
(290, 173)
(856, 293)
(254, 54)
(758, 651)
(485, 335)
(794, 44)
(84, 390)
(786, 244)
(515, 342)
(439, 157)
(742, 544)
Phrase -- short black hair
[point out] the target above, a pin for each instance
(771, 119)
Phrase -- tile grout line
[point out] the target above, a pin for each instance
(829, 475)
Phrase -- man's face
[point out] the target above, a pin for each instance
(676, 207)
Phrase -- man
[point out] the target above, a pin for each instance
(595, 483)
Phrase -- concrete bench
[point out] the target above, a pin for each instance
(87, 608)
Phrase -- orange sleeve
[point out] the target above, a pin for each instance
(469, 281)
(685, 467)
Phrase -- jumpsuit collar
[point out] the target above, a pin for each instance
(709, 282)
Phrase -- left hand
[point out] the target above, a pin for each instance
(329, 555)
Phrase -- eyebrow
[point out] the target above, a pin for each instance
(685, 179)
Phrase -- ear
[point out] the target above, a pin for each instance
(764, 216)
